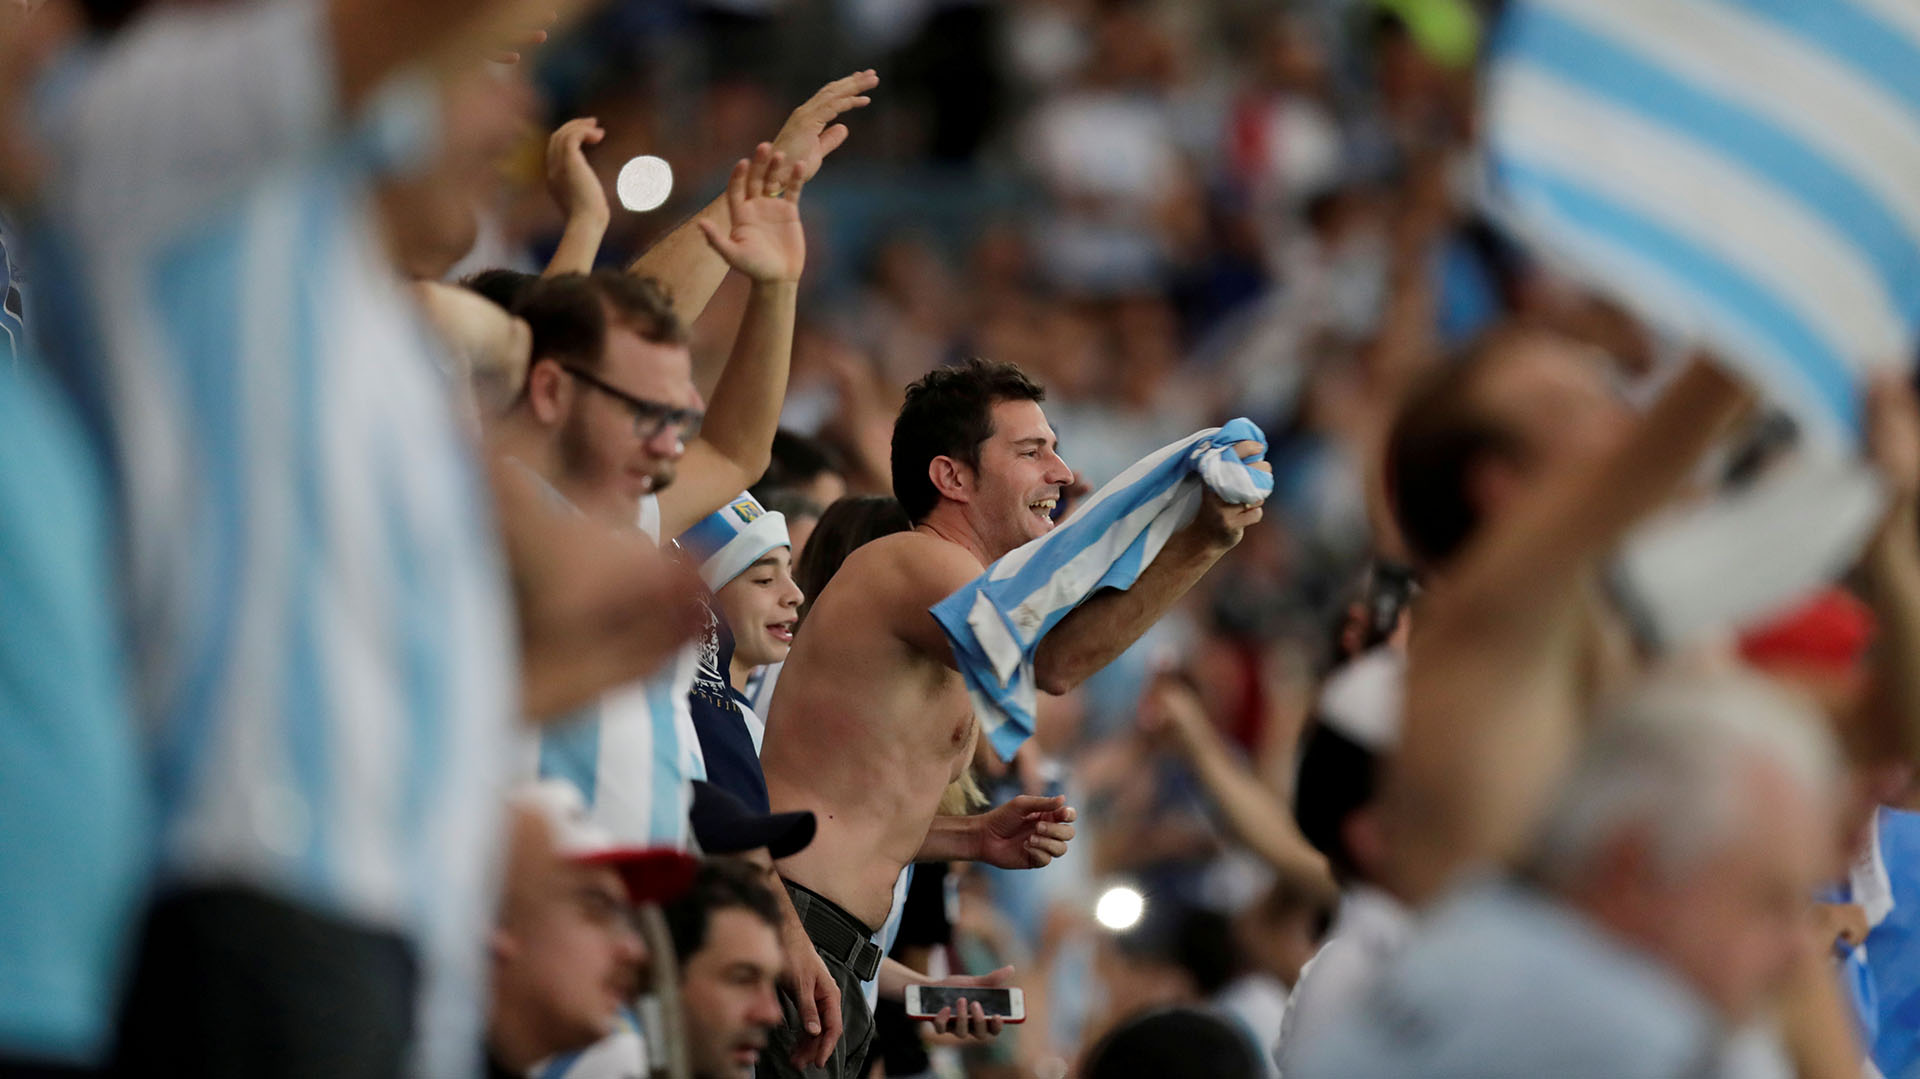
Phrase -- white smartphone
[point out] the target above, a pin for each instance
(925, 1001)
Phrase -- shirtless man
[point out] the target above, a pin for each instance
(871, 719)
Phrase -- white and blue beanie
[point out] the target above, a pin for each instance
(732, 538)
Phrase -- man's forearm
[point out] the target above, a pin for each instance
(579, 245)
(951, 839)
(745, 411)
(1255, 815)
(683, 261)
(895, 976)
(1097, 631)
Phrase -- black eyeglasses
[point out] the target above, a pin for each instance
(649, 417)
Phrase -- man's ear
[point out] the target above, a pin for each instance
(951, 478)
(549, 390)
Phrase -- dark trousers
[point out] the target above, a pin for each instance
(231, 981)
(849, 1060)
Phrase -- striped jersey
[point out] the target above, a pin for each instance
(322, 659)
(634, 753)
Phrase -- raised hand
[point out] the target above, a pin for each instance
(1170, 711)
(810, 133)
(766, 241)
(1223, 522)
(575, 187)
(1025, 833)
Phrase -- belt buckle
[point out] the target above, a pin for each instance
(864, 958)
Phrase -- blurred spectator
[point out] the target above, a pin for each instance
(567, 955)
(300, 490)
(1108, 153)
(1661, 905)
(1179, 1043)
(726, 933)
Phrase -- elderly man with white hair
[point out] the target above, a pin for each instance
(1662, 903)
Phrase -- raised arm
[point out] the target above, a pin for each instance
(1492, 704)
(767, 245)
(684, 262)
(1255, 814)
(577, 190)
(1097, 631)
(596, 609)
(487, 345)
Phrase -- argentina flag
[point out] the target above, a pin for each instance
(1745, 175)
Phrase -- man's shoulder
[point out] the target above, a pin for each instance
(916, 551)
(891, 582)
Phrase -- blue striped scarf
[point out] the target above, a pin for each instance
(996, 622)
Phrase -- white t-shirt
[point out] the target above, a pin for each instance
(1366, 936)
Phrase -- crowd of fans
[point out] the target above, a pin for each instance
(450, 624)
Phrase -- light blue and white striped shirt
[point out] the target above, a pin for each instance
(323, 662)
(995, 623)
(634, 754)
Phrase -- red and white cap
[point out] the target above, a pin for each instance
(651, 874)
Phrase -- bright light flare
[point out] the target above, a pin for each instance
(1120, 908)
(644, 183)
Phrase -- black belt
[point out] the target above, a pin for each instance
(835, 933)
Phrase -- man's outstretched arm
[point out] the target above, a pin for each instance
(1096, 632)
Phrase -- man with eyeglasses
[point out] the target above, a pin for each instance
(609, 421)
(566, 953)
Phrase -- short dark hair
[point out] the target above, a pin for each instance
(949, 413)
(721, 884)
(848, 525)
(1178, 1043)
(1439, 436)
(569, 313)
(796, 460)
(503, 287)
(1338, 778)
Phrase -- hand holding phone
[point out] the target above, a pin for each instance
(966, 1010)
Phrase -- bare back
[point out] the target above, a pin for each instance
(870, 722)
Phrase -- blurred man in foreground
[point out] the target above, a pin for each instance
(1662, 904)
